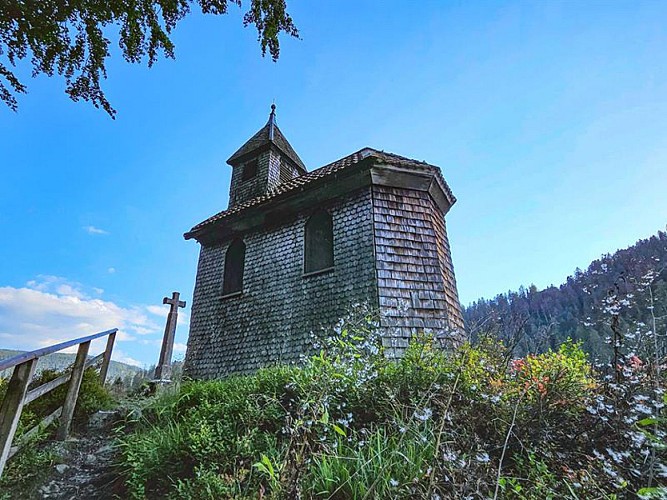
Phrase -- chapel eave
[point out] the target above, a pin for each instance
(363, 168)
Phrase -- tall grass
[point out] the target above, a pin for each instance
(351, 424)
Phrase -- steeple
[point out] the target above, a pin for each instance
(272, 122)
(269, 135)
(263, 162)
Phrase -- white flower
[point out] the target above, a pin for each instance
(425, 415)
(483, 457)
(393, 482)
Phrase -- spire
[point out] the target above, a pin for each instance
(268, 136)
(272, 121)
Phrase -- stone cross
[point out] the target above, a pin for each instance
(163, 369)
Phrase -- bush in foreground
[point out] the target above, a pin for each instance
(351, 424)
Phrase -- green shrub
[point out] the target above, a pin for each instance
(350, 423)
(226, 423)
(24, 471)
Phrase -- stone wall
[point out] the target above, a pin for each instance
(271, 321)
(416, 285)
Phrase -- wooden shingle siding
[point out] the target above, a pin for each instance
(390, 250)
(416, 285)
(271, 321)
(240, 190)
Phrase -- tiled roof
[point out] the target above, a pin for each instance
(322, 172)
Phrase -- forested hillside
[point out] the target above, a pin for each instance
(625, 292)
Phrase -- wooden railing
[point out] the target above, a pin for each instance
(17, 395)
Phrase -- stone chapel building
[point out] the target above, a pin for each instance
(295, 250)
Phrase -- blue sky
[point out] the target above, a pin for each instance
(549, 121)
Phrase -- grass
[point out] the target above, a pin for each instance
(351, 424)
(34, 461)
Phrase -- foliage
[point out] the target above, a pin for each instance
(71, 37)
(33, 461)
(93, 396)
(349, 423)
(25, 470)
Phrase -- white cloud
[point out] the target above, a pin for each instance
(94, 230)
(50, 310)
(161, 311)
(111, 270)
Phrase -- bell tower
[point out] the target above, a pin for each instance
(264, 161)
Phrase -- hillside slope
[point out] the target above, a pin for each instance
(60, 361)
(535, 320)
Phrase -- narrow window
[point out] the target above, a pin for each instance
(234, 263)
(318, 254)
(249, 170)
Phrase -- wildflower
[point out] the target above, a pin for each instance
(483, 457)
(635, 362)
(424, 415)
(517, 365)
(393, 482)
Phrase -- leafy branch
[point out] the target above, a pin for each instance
(69, 37)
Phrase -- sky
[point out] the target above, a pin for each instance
(548, 119)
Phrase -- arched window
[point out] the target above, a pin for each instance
(234, 262)
(318, 251)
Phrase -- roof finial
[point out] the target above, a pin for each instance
(272, 121)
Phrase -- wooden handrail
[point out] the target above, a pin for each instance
(17, 394)
(27, 356)
(40, 391)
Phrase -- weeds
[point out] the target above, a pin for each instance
(351, 424)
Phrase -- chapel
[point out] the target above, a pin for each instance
(297, 249)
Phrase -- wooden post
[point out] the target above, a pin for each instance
(104, 369)
(12, 406)
(73, 391)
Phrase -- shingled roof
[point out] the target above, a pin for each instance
(303, 181)
(269, 134)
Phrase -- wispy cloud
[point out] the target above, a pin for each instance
(111, 270)
(94, 230)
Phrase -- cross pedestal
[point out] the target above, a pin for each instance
(163, 369)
